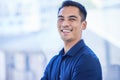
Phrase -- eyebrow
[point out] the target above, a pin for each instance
(60, 16)
(72, 16)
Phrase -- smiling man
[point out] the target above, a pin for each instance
(76, 61)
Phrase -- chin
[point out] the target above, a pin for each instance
(66, 40)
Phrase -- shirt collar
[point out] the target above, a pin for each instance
(74, 49)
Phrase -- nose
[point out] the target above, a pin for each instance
(65, 23)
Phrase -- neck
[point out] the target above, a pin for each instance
(69, 45)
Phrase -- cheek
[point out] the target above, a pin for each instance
(58, 24)
(58, 27)
(77, 29)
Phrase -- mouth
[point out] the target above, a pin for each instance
(66, 30)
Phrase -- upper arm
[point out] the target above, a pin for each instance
(47, 71)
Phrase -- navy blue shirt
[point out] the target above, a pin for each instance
(79, 63)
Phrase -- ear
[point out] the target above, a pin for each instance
(84, 25)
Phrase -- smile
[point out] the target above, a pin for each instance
(66, 30)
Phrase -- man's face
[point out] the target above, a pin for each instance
(69, 24)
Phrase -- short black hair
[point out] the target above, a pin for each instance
(82, 10)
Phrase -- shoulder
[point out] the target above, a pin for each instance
(88, 59)
(88, 53)
(53, 59)
(51, 62)
(88, 66)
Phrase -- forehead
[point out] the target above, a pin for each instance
(69, 10)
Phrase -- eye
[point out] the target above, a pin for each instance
(60, 19)
(72, 19)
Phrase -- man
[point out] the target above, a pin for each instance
(75, 61)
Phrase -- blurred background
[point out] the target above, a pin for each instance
(29, 37)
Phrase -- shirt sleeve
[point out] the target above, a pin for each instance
(47, 71)
(45, 76)
(87, 68)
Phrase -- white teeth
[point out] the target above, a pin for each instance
(66, 30)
